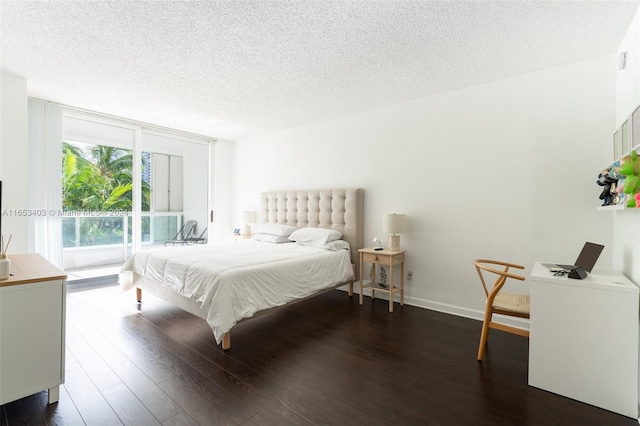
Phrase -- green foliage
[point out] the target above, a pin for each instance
(98, 178)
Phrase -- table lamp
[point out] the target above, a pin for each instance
(393, 224)
(248, 217)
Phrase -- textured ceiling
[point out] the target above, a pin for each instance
(231, 69)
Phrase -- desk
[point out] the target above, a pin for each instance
(584, 338)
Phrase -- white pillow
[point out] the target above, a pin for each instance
(274, 229)
(315, 235)
(333, 245)
(268, 238)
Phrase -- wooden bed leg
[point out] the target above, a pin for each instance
(351, 289)
(226, 341)
(139, 294)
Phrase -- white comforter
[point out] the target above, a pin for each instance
(235, 280)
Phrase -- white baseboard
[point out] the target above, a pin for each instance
(450, 309)
(465, 312)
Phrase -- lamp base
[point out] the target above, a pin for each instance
(394, 242)
(246, 230)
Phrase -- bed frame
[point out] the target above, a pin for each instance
(339, 209)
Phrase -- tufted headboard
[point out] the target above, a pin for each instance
(339, 209)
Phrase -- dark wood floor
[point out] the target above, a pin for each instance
(324, 361)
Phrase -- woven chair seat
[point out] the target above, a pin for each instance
(512, 302)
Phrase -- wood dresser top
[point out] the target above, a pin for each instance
(31, 268)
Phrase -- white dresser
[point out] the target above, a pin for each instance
(32, 329)
(583, 340)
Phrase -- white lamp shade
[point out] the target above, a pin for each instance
(248, 217)
(393, 223)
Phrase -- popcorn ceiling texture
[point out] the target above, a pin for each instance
(232, 70)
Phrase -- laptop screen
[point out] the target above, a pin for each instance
(589, 256)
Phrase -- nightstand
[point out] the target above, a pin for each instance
(389, 258)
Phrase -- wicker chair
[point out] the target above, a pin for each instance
(498, 302)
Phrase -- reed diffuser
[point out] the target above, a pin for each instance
(5, 263)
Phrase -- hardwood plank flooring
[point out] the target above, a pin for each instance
(324, 361)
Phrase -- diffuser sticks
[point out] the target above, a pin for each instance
(3, 248)
(5, 263)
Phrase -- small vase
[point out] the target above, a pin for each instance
(5, 267)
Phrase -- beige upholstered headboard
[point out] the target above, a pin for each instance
(339, 209)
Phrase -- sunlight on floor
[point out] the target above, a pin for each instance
(92, 272)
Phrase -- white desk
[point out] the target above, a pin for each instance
(584, 338)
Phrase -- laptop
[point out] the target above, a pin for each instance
(586, 260)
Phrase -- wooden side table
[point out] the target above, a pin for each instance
(390, 258)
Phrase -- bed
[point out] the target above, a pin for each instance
(226, 283)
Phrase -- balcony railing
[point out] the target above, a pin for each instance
(101, 238)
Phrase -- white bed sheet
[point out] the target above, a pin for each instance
(235, 280)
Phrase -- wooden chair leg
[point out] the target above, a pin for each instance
(484, 336)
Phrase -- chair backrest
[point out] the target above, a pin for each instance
(501, 275)
(198, 239)
(188, 229)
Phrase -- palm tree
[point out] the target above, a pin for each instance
(99, 178)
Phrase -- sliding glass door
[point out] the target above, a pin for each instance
(126, 188)
(97, 193)
(177, 174)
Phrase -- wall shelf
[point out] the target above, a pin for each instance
(625, 140)
(610, 208)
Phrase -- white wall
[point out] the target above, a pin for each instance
(13, 160)
(626, 243)
(504, 170)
